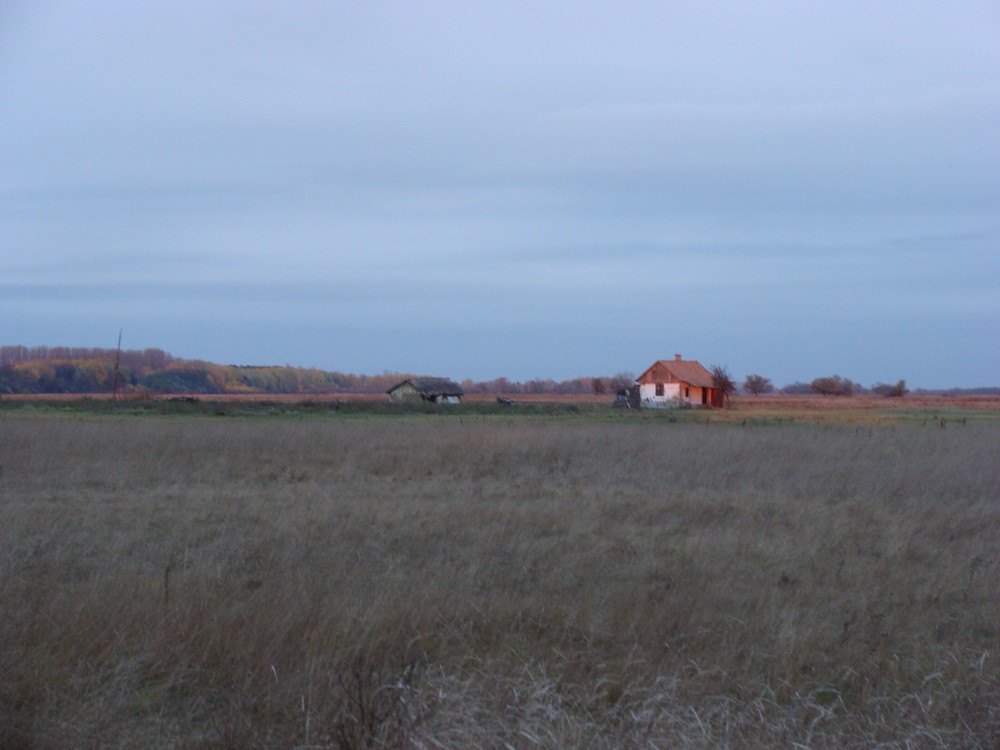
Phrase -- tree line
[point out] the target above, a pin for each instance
(61, 369)
(43, 369)
(148, 358)
(835, 385)
(831, 385)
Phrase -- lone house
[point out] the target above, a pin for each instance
(435, 390)
(678, 383)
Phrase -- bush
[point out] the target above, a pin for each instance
(833, 385)
(892, 391)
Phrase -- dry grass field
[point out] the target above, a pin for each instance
(807, 408)
(419, 582)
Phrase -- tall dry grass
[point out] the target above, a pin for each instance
(431, 583)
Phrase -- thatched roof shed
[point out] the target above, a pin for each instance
(435, 390)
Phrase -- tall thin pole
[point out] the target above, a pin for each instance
(118, 359)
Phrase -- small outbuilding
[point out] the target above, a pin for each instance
(435, 390)
(678, 383)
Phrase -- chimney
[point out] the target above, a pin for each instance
(677, 358)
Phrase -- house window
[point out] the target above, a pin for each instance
(659, 389)
(687, 392)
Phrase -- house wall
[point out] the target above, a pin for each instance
(671, 393)
(648, 397)
(405, 392)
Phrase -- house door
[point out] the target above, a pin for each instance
(704, 396)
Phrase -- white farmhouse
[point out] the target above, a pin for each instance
(678, 383)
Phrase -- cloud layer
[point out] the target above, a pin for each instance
(506, 188)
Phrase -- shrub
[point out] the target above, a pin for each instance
(892, 391)
(833, 385)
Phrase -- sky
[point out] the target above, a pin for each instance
(508, 188)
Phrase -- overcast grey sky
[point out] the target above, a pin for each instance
(525, 189)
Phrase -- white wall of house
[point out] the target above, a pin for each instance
(648, 397)
(672, 393)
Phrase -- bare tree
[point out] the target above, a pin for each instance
(757, 384)
(621, 381)
(722, 380)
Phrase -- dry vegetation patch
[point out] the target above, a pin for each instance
(498, 583)
(814, 403)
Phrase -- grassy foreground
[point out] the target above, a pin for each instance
(427, 583)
